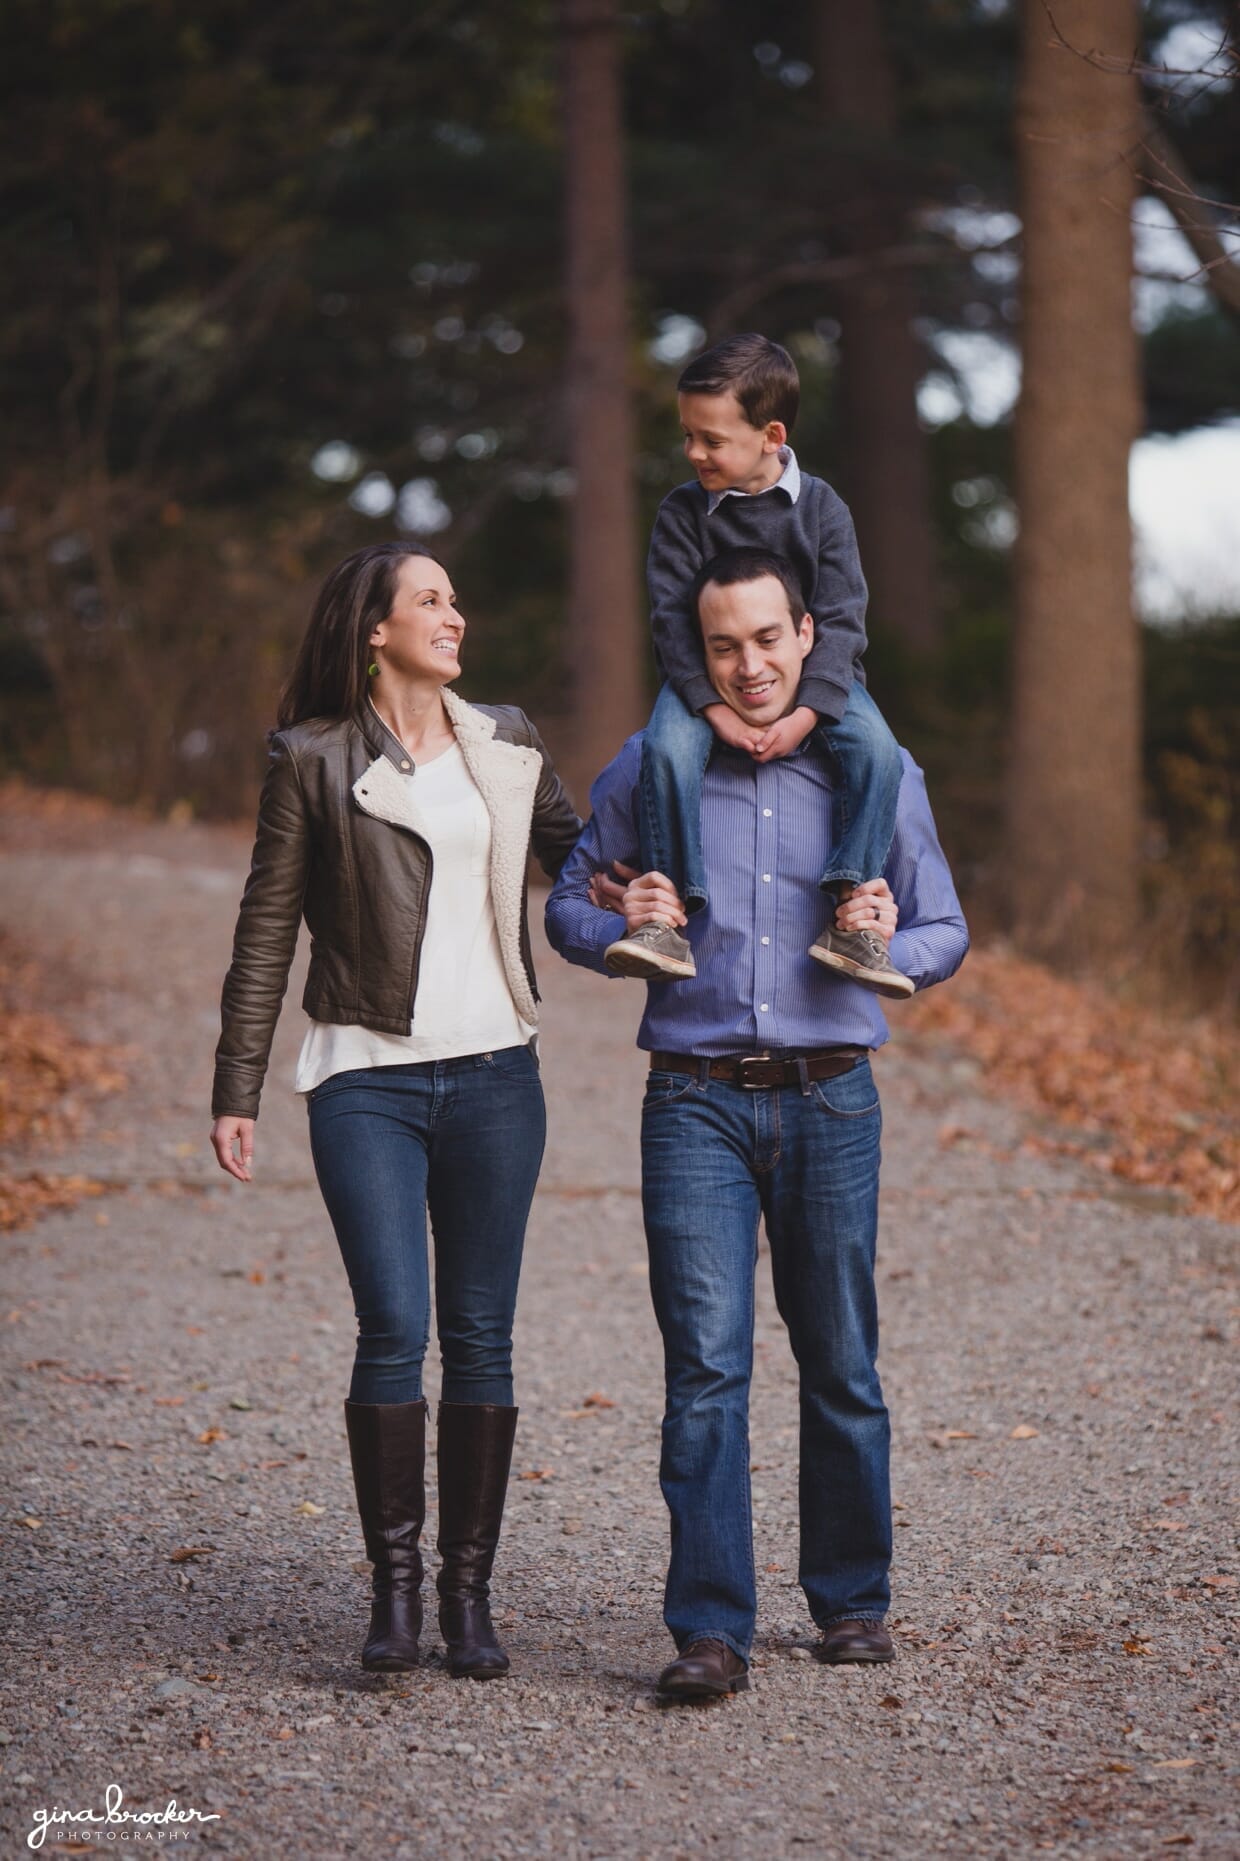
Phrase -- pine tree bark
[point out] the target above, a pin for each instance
(886, 477)
(606, 630)
(1074, 786)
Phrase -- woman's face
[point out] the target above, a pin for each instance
(421, 637)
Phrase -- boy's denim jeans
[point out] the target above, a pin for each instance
(463, 1139)
(862, 753)
(714, 1157)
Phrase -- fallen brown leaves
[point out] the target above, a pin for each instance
(47, 1077)
(1155, 1096)
(46, 805)
(24, 1198)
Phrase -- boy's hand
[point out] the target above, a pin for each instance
(731, 728)
(781, 738)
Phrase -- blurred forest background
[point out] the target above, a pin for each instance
(280, 279)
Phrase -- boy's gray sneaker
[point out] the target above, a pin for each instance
(861, 956)
(655, 953)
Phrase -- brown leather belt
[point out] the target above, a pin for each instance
(758, 1071)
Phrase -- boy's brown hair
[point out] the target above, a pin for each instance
(761, 375)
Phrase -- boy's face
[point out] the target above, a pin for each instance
(753, 647)
(722, 447)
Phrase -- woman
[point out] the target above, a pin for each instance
(397, 820)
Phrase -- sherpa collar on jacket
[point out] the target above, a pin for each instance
(506, 776)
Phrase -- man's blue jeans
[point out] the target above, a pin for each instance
(463, 1139)
(864, 759)
(714, 1157)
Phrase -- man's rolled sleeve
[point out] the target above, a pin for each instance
(934, 938)
(577, 929)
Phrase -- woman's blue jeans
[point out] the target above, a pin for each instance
(864, 759)
(714, 1158)
(463, 1140)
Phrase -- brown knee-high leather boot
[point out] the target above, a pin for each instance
(387, 1445)
(475, 1453)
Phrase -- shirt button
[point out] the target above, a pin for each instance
(404, 765)
(765, 1008)
(766, 878)
(767, 813)
(766, 940)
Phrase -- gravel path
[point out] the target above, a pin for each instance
(1064, 1405)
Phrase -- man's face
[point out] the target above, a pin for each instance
(753, 647)
(722, 447)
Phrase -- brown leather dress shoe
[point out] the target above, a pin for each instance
(704, 1670)
(855, 1641)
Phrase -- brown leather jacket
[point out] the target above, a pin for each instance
(338, 843)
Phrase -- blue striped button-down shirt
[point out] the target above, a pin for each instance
(766, 837)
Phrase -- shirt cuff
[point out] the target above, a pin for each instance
(603, 929)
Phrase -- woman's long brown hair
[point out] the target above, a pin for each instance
(329, 676)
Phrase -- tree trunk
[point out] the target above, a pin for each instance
(605, 616)
(1074, 793)
(886, 474)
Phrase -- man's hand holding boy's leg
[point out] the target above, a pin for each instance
(869, 906)
(652, 948)
(854, 941)
(650, 898)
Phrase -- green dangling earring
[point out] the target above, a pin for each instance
(372, 670)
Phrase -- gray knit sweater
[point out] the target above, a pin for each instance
(815, 533)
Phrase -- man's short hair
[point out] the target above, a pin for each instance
(761, 375)
(750, 565)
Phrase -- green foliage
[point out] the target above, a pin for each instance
(1192, 370)
(234, 236)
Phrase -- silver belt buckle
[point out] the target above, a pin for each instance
(751, 1059)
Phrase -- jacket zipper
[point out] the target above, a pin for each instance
(417, 942)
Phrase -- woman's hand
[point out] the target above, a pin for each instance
(871, 907)
(606, 893)
(227, 1132)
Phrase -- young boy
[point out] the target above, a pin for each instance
(738, 403)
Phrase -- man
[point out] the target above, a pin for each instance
(760, 1101)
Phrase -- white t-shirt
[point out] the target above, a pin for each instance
(463, 1001)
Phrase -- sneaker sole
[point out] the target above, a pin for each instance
(647, 968)
(857, 972)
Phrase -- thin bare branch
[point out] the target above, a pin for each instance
(1162, 169)
(1134, 66)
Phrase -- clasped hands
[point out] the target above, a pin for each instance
(765, 742)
